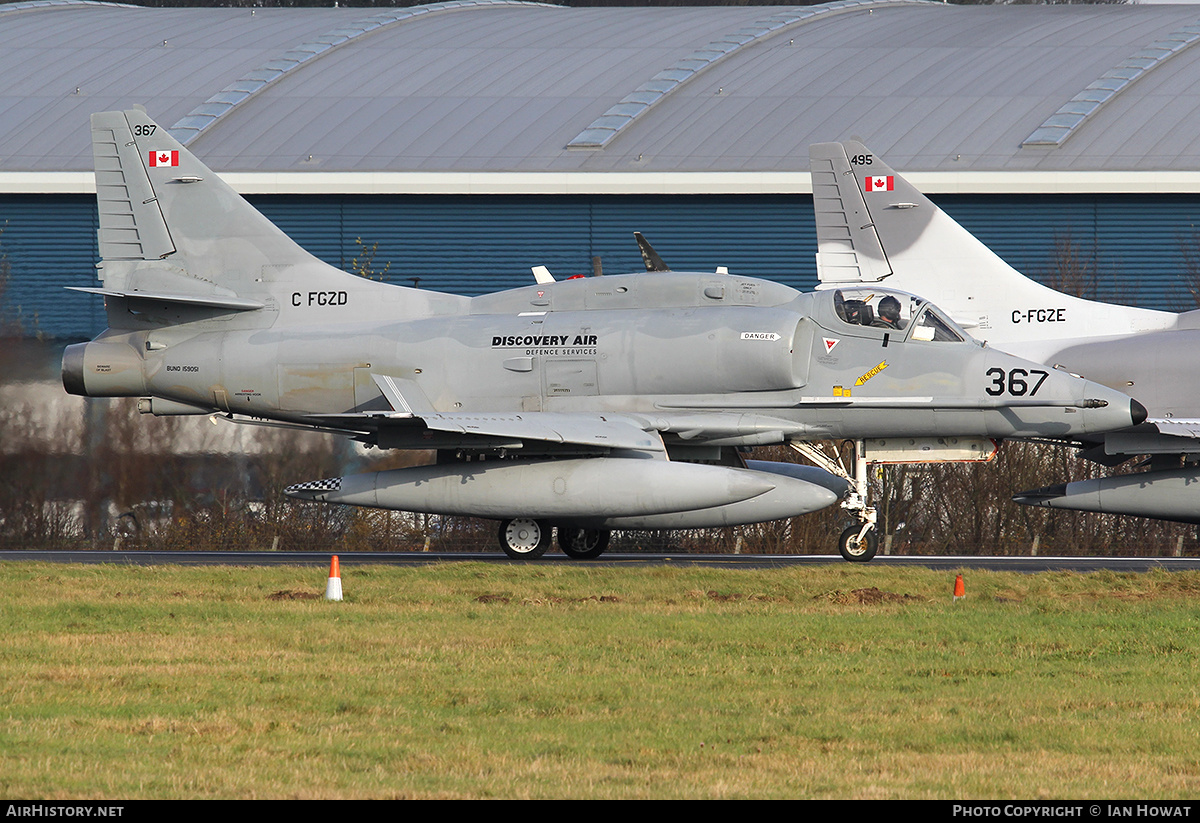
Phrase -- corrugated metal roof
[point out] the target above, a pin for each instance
(484, 86)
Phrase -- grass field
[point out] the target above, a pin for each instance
(471, 680)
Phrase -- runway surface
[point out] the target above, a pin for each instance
(748, 561)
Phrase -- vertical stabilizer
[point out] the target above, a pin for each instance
(848, 248)
(169, 225)
(178, 245)
(131, 224)
(873, 226)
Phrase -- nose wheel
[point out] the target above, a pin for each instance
(857, 543)
(524, 538)
(857, 546)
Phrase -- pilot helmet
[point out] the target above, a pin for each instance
(889, 309)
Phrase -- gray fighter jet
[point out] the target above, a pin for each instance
(874, 229)
(615, 402)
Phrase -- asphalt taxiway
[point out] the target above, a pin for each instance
(747, 561)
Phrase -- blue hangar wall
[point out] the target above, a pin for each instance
(1135, 249)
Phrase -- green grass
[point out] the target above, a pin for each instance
(509, 681)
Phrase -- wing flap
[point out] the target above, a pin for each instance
(599, 430)
(510, 430)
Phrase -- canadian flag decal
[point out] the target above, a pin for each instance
(164, 158)
(886, 183)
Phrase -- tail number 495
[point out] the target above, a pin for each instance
(1016, 382)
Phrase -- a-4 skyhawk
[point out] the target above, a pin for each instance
(875, 229)
(586, 405)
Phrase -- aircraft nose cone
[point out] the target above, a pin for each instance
(1138, 412)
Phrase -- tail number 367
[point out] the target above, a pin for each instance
(1017, 382)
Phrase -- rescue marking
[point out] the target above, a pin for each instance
(871, 373)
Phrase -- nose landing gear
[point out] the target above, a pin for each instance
(858, 543)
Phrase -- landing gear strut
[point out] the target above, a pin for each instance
(858, 543)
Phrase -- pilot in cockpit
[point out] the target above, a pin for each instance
(889, 314)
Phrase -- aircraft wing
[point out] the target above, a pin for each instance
(1155, 436)
(506, 430)
(578, 429)
(594, 431)
(1177, 428)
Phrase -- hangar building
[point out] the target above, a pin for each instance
(466, 141)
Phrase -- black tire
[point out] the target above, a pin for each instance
(523, 538)
(583, 544)
(855, 550)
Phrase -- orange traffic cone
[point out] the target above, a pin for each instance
(960, 591)
(333, 589)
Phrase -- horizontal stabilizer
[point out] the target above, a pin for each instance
(209, 301)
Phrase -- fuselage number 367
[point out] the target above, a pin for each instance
(1015, 382)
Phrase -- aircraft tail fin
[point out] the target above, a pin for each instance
(848, 247)
(873, 226)
(171, 228)
(866, 210)
(131, 223)
(900, 235)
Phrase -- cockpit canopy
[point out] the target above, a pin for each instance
(876, 308)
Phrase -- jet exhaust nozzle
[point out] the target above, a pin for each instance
(103, 369)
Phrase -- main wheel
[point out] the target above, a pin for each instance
(583, 544)
(858, 550)
(524, 538)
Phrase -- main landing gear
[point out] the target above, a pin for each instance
(859, 542)
(524, 538)
(583, 544)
